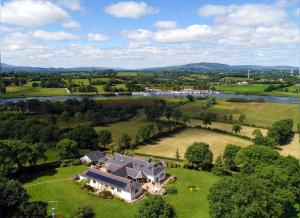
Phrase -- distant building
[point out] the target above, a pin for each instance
(124, 175)
(94, 157)
(243, 83)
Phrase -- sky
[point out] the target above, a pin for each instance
(149, 33)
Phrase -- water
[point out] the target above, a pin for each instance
(289, 100)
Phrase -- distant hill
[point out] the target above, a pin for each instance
(217, 67)
(6, 67)
(193, 67)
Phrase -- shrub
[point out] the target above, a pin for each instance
(105, 195)
(83, 212)
(171, 189)
(76, 162)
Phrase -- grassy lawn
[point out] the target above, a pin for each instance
(167, 147)
(260, 114)
(28, 91)
(56, 186)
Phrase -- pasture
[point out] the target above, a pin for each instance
(167, 147)
(258, 114)
(55, 185)
(28, 91)
(250, 88)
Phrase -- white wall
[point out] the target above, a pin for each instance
(85, 159)
(121, 193)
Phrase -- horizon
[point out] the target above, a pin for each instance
(140, 34)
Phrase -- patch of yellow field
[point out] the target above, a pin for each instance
(292, 148)
(245, 131)
(167, 146)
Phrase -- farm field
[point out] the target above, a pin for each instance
(130, 127)
(28, 91)
(56, 185)
(250, 89)
(293, 148)
(167, 147)
(245, 131)
(259, 114)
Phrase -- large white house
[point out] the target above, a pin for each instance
(124, 175)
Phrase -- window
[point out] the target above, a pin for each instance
(118, 190)
(106, 185)
(162, 175)
(136, 191)
(112, 188)
(94, 181)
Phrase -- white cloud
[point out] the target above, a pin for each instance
(246, 14)
(53, 36)
(30, 13)
(193, 32)
(167, 25)
(130, 9)
(74, 5)
(71, 24)
(213, 10)
(97, 37)
(138, 35)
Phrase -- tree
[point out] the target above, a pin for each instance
(67, 148)
(248, 158)
(247, 197)
(229, 155)
(105, 137)
(259, 139)
(33, 209)
(65, 116)
(190, 98)
(199, 155)
(155, 207)
(242, 118)
(219, 168)
(236, 128)
(177, 155)
(83, 212)
(85, 136)
(281, 131)
(78, 116)
(146, 131)
(125, 141)
(207, 118)
(12, 195)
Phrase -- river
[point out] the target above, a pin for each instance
(289, 100)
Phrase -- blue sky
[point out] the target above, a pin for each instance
(138, 34)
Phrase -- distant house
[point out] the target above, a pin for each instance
(124, 175)
(94, 157)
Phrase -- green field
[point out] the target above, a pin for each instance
(250, 89)
(28, 91)
(56, 186)
(130, 127)
(259, 114)
(257, 89)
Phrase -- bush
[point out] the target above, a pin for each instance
(105, 195)
(83, 212)
(171, 189)
(76, 162)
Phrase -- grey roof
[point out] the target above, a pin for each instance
(111, 180)
(145, 166)
(95, 155)
(133, 173)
